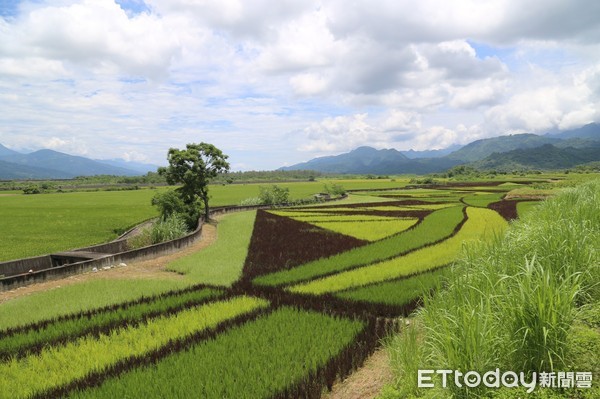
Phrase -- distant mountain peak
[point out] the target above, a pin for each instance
(49, 164)
(4, 151)
(367, 159)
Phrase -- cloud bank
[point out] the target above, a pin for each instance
(274, 83)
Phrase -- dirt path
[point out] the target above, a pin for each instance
(366, 382)
(153, 268)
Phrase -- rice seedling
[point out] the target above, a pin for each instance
(397, 292)
(57, 366)
(481, 224)
(280, 243)
(367, 229)
(482, 200)
(80, 297)
(271, 354)
(62, 330)
(222, 262)
(524, 207)
(435, 227)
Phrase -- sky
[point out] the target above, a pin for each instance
(274, 83)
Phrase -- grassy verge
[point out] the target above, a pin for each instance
(222, 262)
(529, 302)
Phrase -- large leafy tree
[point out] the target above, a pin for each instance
(194, 168)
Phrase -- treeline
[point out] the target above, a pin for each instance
(267, 176)
(111, 182)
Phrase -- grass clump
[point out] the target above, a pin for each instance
(170, 228)
(514, 304)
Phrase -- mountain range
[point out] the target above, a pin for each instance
(555, 150)
(49, 164)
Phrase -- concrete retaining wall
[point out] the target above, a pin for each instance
(20, 266)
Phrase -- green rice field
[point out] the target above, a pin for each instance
(284, 303)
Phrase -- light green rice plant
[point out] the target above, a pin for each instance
(367, 229)
(79, 297)
(256, 360)
(482, 224)
(436, 226)
(57, 366)
(222, 262)
(398, 292)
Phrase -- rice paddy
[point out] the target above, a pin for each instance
(283, 304)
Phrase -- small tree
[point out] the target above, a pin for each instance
(335, 189)
(194, 168)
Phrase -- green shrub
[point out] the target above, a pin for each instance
(274, 195)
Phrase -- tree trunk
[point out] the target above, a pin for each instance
(206, 210)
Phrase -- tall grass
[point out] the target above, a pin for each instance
(167, 229)
(511, 304)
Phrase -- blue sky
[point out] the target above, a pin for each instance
(274, 83)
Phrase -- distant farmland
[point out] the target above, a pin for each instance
(39, 224)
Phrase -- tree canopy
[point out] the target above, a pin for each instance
(194, 168)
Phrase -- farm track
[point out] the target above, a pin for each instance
(367, 381)
(148, 269)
